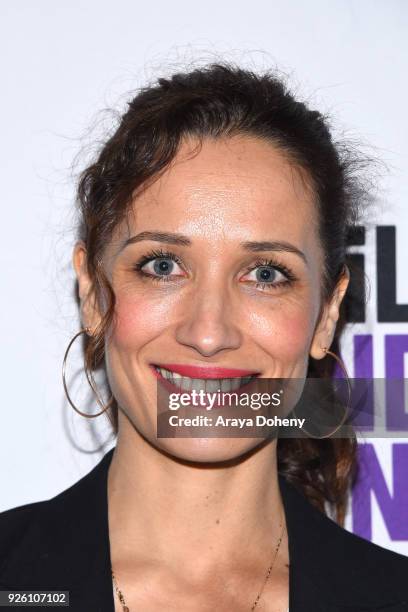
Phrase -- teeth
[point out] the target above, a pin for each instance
(198, 384)
(226, 385)
(235, 383)
(185, 383)
(213, 385)
(208, 385)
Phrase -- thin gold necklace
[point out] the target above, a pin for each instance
(268, 573)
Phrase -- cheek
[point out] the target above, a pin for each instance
(138, 320)
(284, 333)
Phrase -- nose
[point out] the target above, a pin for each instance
(208, 325)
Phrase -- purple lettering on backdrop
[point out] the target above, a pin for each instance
(363, 395)
(393, 505)
(395, 348)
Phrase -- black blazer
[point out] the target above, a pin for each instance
(63, 544)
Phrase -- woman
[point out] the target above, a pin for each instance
(211, 248)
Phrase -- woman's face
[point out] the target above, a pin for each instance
(218, 266)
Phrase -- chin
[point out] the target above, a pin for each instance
(208, 450)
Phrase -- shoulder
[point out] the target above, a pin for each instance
(47, 537)
(360, 552)
(347, 567)
(15, 522)
(312, 525)
(19, 522)
(16, 527)
(362, 556)
(369, 570)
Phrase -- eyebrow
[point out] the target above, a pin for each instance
(181, 240)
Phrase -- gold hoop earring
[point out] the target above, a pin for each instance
(91, 382)
(347, 410)
(339, 361)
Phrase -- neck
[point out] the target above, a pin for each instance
(165, 508)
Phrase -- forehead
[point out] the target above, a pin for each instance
(236, 188)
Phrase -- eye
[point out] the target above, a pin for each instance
(268, 275)
(160, 266)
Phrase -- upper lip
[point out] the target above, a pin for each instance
(193, 371)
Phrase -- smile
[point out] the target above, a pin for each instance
(207, 383)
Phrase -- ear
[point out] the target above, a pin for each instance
(324, 333)
(90, 314)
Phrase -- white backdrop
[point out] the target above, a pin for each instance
(63, 62)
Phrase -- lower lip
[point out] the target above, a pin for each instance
(172, 388)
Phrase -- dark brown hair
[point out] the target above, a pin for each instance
(217, 101)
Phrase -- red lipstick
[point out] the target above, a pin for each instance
(205, 371)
